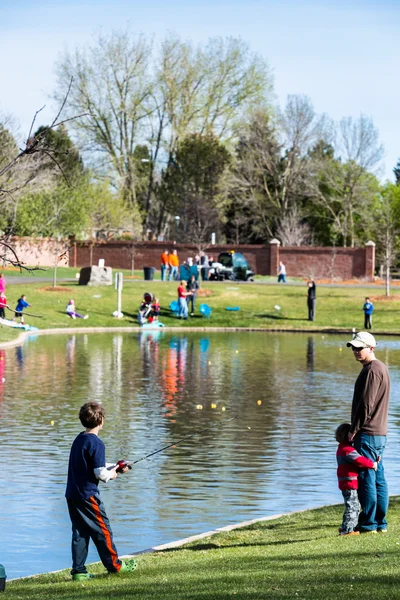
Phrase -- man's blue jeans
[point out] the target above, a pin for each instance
(372, 487)
(183, 308)
(173, 273)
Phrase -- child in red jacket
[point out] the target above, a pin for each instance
(3, 305)
(349, 463)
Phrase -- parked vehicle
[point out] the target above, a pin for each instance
(231, 265)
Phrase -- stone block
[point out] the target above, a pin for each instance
(95, 276)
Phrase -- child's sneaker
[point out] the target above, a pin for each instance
(82, 576)
(128, 565)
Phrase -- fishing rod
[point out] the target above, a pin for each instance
(25, 313)
(123, 464)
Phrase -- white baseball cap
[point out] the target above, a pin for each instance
(362, 339)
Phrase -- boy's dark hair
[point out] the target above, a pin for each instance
(342, 433)
(91, 414)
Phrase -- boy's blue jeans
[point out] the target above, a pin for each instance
(372, 487)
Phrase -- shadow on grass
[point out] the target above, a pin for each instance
(278, 317)
(202, 547)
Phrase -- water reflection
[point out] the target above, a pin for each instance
(310, 353)
(290, 390)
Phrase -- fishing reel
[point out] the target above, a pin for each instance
(122, 464)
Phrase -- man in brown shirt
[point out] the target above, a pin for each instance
(369, 418)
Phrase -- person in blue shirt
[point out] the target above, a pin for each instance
(368, 309)
(87, 466)
(21, 304)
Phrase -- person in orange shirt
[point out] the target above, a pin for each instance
(174, 265)
(164, 264)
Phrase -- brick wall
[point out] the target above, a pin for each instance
(305, 261)
(322, 262)
(39, 252)
(118, 254)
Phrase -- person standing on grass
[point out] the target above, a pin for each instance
(182, 301)
(204, 266)
(87, 466)
(173, 265)
(21, 304)
(3, 305)
(155, 307)
(281, 273)
(192, 286)
(369, 422)
(368, 309)
(164, 264)
(311, 299)
(2, 283)
(349, 463)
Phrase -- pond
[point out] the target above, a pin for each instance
(288, 393)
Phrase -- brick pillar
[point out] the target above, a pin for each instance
(273, 256)
(369, 261)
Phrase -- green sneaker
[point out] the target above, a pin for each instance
(128, 565)
(82, 576)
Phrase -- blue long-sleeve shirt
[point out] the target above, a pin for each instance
(21, 305)
(368, 308)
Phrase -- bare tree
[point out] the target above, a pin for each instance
(388, 229)
(272, 170)
(113, 84)
(22, 168)
(292, 230)
(345, 185)
(135, 97)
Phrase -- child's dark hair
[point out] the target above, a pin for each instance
(91, 414)
(342, 433)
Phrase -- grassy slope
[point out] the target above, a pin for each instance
(295, 557)
(336, 307)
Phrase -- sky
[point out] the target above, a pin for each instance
(343, 54)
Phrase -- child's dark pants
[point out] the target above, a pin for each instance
(368, 321)
(89, 520)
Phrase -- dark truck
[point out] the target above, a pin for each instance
(231, 265)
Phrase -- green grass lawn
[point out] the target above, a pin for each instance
(337, 307)
(297, 557)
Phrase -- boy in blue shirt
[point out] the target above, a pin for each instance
(21, 304)
(87, 466)
(368, 309)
